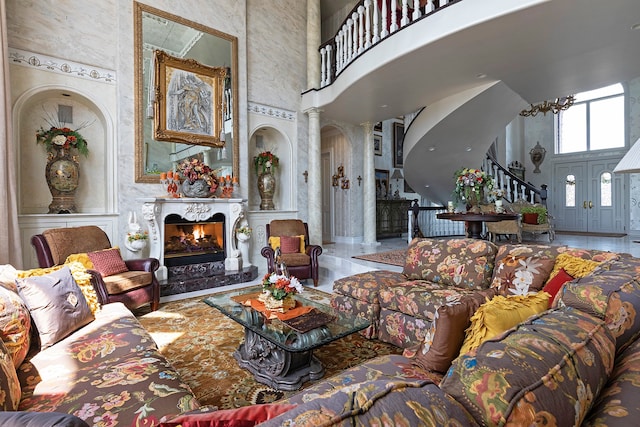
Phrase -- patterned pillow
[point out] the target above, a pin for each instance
(8, 275)
(463, 263)
(500, 314)
(522, 270)
(9, 385)
(554, 285)
(574, 266)
(80, 275)
(239, 417)
(274, 242)
(15, 325)
(56, 305)
(290, 244)
(108, 262)
(82, 258)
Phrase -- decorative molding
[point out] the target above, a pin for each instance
(267, 110)
(60, 66)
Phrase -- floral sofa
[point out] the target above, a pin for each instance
(64, 355)
(574, 363)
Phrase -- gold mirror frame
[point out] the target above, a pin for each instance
(141, 87)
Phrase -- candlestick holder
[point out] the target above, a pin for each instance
(171, 184)
(226, 188)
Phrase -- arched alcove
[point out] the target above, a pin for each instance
(269, 138)
(38, 108)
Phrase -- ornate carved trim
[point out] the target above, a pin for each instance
(267, 110)
(61, 66)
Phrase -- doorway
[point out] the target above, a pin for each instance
(327, 199)
(588, 197)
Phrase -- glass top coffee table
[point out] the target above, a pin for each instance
(278, 354)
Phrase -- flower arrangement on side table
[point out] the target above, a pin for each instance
(278, 292)
(265, 161)
(470, 185)
(194, 170)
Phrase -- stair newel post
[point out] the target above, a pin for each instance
(543, 194)
(323, 67)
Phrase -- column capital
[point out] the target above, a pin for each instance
(313, 111)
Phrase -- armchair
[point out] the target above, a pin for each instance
(303, 265)
(547, 225)
(134, 288)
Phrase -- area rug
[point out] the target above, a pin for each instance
(199, 341)
(395, 257)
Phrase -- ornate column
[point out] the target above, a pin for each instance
(314, 184)
(314, 40)
(369, 187)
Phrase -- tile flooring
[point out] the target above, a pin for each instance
(336, 260)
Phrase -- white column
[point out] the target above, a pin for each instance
(369, 187)
(315, 184)
(313, 43)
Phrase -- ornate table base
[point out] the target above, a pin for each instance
(275, 367)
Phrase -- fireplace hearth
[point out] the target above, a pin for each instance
(193, 240)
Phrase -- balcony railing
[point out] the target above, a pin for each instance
(368, 23)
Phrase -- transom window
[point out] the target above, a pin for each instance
(594, 122)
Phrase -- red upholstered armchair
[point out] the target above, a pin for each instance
(301, 264)
(134, 288)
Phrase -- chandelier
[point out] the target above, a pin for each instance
(554, 106)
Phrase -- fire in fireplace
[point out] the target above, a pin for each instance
(192, 242)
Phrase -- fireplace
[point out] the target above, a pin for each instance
(194, 241)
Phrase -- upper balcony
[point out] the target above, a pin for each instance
(540, 49)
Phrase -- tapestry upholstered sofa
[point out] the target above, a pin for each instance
(68, 357)
(565, 351)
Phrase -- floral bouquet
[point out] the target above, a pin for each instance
(471, 183)
(279, 287)
(264, 161)
(194, 169)
(244, 230)
(62, 137)
(139, 235)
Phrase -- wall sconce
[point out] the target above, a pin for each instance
(338, 179)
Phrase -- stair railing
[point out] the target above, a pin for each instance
(513, 187)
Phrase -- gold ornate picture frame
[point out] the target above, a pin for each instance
(189, 97)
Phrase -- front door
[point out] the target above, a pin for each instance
(588, 197)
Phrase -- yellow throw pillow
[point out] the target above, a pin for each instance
(500, 314)
(82, 258)
(80, 275)
(574, 266)
(274, 242)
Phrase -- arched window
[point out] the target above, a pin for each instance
(594, 122)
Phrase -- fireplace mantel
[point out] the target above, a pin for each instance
(156, 209)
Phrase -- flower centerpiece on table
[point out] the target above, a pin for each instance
(278, 291)
(265, 161)
(470, 185)
(194, 170)
(62, 137)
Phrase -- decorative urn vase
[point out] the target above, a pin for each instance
(63, 174)
(474, 200)
(198, 189)
(266, 188)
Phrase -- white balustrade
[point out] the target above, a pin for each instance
(367, 24)
(394, 10)
(405, 13)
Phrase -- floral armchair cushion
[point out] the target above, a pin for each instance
(463, 263)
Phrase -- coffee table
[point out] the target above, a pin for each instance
(276, 354)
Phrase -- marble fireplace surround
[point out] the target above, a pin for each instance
(156, 209)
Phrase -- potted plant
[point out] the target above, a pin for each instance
(534, 214)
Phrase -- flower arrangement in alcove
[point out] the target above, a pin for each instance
(60, 136)
(265, 161)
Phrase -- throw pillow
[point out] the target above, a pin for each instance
(289, 244)
(245, 416)
(9, 385)
(40, 419)
(274, 242)
(553, 286)
(15, 325)
(80, 275)
(8, 275)
(573, 265)
(500, 314)
(447, 331)
(56, 304)
(520, 274)
(108, 262)
(82, 258)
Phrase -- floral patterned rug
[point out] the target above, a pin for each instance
(395, 257)
(199, 341)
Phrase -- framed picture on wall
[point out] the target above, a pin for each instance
(382, 183)
(377, 127)
(398, 140)
(407, 188)
(377, 145)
